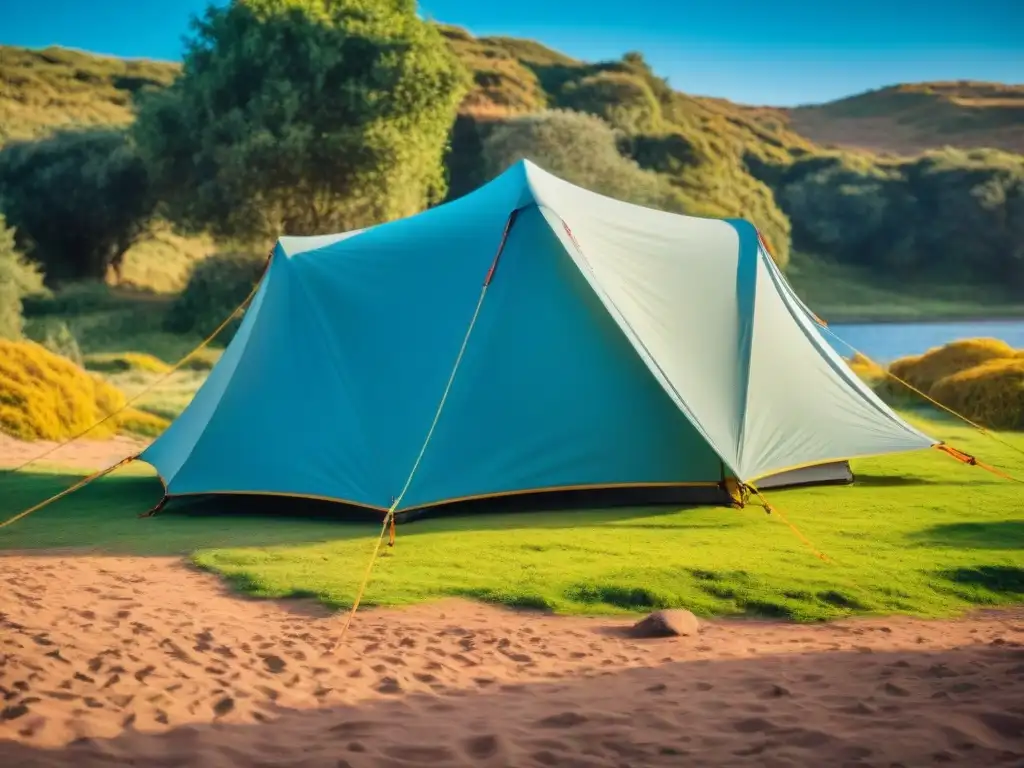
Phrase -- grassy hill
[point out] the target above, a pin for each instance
(41, 90)
(912, 118)
(872, 216)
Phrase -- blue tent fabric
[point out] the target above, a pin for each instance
(614, 346)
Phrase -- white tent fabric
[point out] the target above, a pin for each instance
(718, 326)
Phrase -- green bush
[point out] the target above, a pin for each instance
(120, 362)
(57, 337)
(580, 148)
(18, 279)
(623, 100)
(216, 286)
(946, 216)
(73, 299)
(79, 200)
(303, 117)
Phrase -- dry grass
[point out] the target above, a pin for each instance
(866, 368)
(990, 393)
(911, 118)
(162, 260)
(982, 379)
(924, 371)
(41, 91)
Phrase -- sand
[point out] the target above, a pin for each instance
(133, 661)
(82, 454)
(110, 661)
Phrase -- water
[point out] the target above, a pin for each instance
(884, 342)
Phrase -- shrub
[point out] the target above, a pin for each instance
(73, 299)
(46, 397)
(119, 362)
(141, 423)
(624, 100)
(58, 338)
(866, 369)
(18, 279)
(945, 216)
(203, 360)
(924, 371)
(216, 286)
(79, 200)
(583, 150)
(990, 393)
(982, 379)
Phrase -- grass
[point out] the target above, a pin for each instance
(917, 534)
(845, 294)
(41, 90)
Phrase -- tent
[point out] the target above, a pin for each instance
(528, 338)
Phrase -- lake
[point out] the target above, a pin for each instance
(884, 342)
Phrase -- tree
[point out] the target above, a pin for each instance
(949, 216)
(303, 116)
(581, 149)
(78, 200)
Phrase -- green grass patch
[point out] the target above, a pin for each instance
(113, 328)
(841, 293)
(917, 534)
(167, 396)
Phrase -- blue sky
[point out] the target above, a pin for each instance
(780, 52)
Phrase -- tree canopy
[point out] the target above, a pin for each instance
(581, 149)
(303, 116)
(78, 200)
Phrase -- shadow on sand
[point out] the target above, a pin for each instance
(961, 707)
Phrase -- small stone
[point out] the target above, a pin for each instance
(224, 706)
(669, 623)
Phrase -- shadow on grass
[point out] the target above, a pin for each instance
(706, 712)
(869, 480)
(997, 534)
(103, 516)
(1001, 581)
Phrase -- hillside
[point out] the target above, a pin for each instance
(57, 87)
(946, 216)
(908, 119)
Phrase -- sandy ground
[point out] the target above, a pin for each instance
(82, 454)
(131, 661)
(146, 661)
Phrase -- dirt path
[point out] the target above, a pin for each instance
(132, 661)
